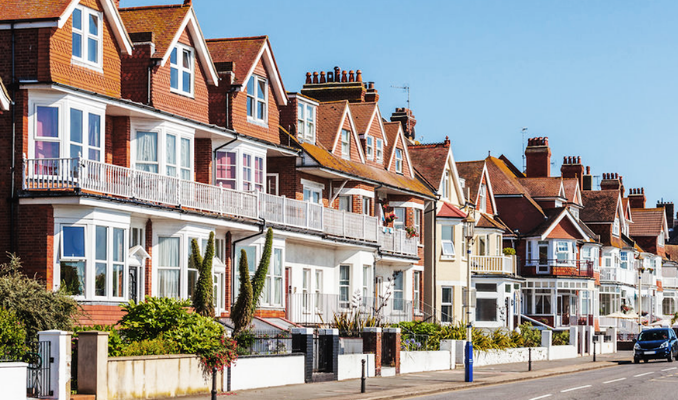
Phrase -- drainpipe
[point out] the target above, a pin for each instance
(12, 222)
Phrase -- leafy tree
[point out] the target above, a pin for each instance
(203, 298)
(242, 310)
(259, 278)
(12, 336)
(37, 308)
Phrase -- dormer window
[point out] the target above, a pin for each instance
(380, 150)
(345, 144)
(660, 239)
(369, 147)
(181, 70)
(256, 99)
(399, 161)
(615, 227)
(446, 185)
(482, 198)
(87, 36)
(306, 123)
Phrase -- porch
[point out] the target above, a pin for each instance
(560, 302)
(57, 175)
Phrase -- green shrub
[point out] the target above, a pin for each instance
(151, 347)
(509, 251)
(37, 308)
(352, 322)
(242, 309)
(531, 335)
(12, 336)
(115, 341)
(561, 338)
(203, 298)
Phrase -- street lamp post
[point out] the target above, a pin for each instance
(469, 225)
(639, 268)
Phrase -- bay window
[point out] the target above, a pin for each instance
(81, 145)
(164, 152)
(562, 251)
(47, 132)
(226, 169)
(87, 34)
(73, 259)
(181, 70)
(257, 99)
(147, 151)
(169, 267)
(400, 214)
(273, 285)
(251, 167)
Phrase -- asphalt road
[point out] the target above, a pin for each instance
(654, 380)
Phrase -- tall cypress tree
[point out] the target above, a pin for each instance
(259, 278)
(203, 298)
(242, 310)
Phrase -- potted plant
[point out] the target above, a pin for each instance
(411, 232)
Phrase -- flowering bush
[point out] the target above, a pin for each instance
(219, 354)
(625, 309)
(411, 232)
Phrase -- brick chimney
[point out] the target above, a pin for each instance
(538, 157)
(336, 85)
(637, 198)
(187, 2)
(611, 181)
(668, 210)
(371, 96)
(587, 180)
(573, 168)
(406, 119)
(117, 3)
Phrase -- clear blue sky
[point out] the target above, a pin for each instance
(599, 78)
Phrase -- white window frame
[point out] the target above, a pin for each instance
(563, 250)
(306, 117)
(369, 147)
(416, 293)
(180, 50)
(615, 227)
(110, 263)
(379, 150)
(310, 188)
(255, 99)
(446, 185)
(345, 284)
(162, 131)
(367, 205)
(399, 161)
(482, 198)
(400, 223)
(318, 288)
(447, 305)
(368, 280)
(348, 200)
(346, 144)
(274, 280)
(447, 245)
(85, 34)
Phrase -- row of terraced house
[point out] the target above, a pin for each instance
(126, 134)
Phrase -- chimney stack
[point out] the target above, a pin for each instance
(573, 168)
(587, 181)
(611, 181)
(187, 2)
(406, 119)
(337, 84)
(668, 210)
(538, 157)
(637, 198)
(371, 95)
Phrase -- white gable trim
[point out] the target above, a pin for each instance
(488, 185)
(451, 164)
(112, 15)
(401, 137)
(337, 134)
(565, 213)
(275, 78)
(191, 22)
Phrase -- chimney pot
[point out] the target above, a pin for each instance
(351, 76)
(187, 2)
(322, 77)
(330, 76)
(337, 74)
(359, 76)
(344, 77)
(588, 170)
(578, 160)
(564, 160)
(308, 77)
(370, 85)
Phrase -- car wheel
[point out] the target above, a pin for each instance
(645, 360)
(636, 360)
(670, 357)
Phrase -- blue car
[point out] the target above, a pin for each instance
(656, 343)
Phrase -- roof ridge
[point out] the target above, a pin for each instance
(237, 38)
(427, 145)
(157, 6)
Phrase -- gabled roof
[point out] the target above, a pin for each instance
(363, 113)
(329, 116)
(648, 222)
(448, 210)
(430, 160)
(554, 217)
(347, 116)
(399, 138)
(572, 190)
(245, 53)
(485, 221)
(472, 173)
(671, 251)
(5, 101)
(505, 182)
(167, 23)
(600, 205)
(48, 13)
(543, 187)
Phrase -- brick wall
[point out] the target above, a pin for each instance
(100, 314)
(35, 234)
(120, 131)
(203, 160)
(135, 73)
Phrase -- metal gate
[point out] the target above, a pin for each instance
(38, 382)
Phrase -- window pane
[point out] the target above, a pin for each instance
(92, 50)
(77, 19)
(74, 241)
(250, 86)
(93, 24)
(192, 282)
(73, 277)
(100, 280)
(76, 126)
(147, 146)
(47, 122)
(46, 150)
(76, 151)
(185, 153)
(118, 279)
(118, 244)
(101, 243)
(169, 251)
(77, 45)
(261, 110)
(186, 82)
(261, 92)
(447, 295)
(94, 130)
(250, 107)
(173, 57)
(168, 281)
(486, 309)
(277, 262)
(446, 232)
(174, 78)
(187, 59)
(170, 151)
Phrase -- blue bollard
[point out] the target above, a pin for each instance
(468, 375)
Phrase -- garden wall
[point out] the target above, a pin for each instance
(13, 380)
(420, 361)
(350, 366)
(492, 357)
(264, 371)
(149, 377)
(560, 352)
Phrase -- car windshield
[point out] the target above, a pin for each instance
(653, 335)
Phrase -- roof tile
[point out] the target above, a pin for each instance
(241, 51)
(32, 9)
(163, 21)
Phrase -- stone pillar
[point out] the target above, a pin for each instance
(13, 380)
(459, 352)
(329, 343)
(372, 345)
(60, 358)
(546, 341)
(451, 346)
(302, 342)
(588, 339)
(574, 338)
(93, 363)
(390, 355)
(612, 333)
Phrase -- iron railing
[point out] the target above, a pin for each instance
(559, 267)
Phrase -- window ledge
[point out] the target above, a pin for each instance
(258, 122)
(183, 94)
(86, 64)
(447, 258)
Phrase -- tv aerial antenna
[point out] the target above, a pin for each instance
(522, 150)
(406, 87)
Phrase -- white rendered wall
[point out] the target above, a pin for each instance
(350, 366)
(492, 357)
(267, 371)
(420, 361)
(13, 380)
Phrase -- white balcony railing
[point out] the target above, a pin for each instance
(493, 264)
(649, 279)
(80, 174)
(396, 241)
(670, 282)
(619, 275)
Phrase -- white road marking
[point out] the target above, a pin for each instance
(669, 369)
(541, 397)
(576, 388)
(614, 380)
(647, 373)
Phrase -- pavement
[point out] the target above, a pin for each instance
(425, 383)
